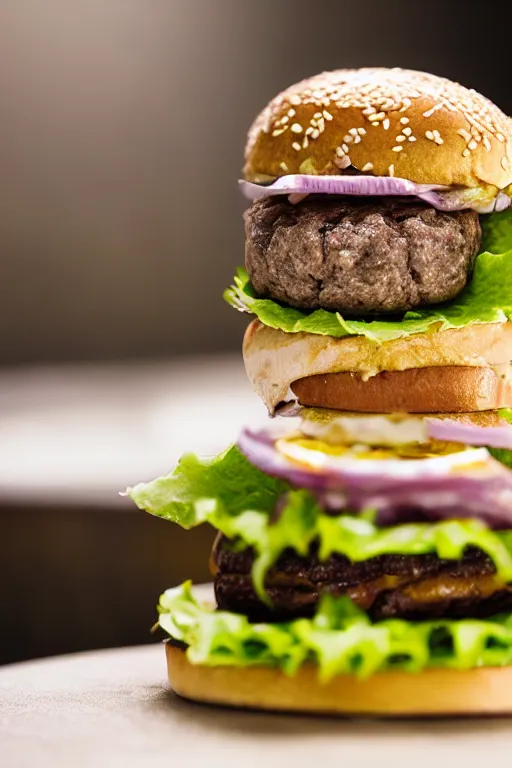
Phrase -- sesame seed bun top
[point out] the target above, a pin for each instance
(385, 122)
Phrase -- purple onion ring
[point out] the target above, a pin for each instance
(470, 434)
(445, 493)
(441, 197)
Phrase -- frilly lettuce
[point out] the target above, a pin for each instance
(497, 231)
(503, 454)
(239, 500)
(486, 299)
(340, 639)
(228, 481)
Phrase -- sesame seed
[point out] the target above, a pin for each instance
(357, 139)
(377, 117)
(361, 131)
(327, 115)
(317, 115)
(397, 149)
(487, 144)
(348, 139)
(386, 124)
(472, 144)
(295, 99)
(278, 131)
(315, 134)
(296, 146)
(465, 134)
(343, 162)
(412, 138)
(284, 119)
(429, 135)
(309, 131)
(401, 138)
(305, 143)
(466, 153)
(296, 128)
(430, 112)
(407, 131)
(500, 137)
(291, 112)
(391, 170)
(340, 152)
(283, 166)
(367, 167)
(369, 111)
(321, 124)
(404, 120)
(344, 148)
(352, 131)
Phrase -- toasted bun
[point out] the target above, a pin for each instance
(277, 364)
(445, 389)
(388, 122)
(482, 691)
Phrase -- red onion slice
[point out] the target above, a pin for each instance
(441, 197)
(470, 434)
(395, 489)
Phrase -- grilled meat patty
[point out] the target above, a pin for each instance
(400, 586)
(358, 256)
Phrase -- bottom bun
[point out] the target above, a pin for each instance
(483, 691)
(441, 389)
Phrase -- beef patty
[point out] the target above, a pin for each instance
(358, 256)
(401, 586)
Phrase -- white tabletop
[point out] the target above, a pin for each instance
(113, 708)
(82, 433)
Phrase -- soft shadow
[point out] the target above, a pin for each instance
(233, 720)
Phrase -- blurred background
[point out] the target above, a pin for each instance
(122, 126)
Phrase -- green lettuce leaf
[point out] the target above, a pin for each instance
(486, 299)
(239, 500)
(497, 231)
(340, 639)
(503, 454)
(197, 487)
(506, 413)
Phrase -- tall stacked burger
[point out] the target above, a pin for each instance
(363, 562)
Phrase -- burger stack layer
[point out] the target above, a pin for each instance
(365, 535)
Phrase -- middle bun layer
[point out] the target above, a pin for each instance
(274, 360)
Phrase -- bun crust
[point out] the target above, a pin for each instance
(387, 122)
(441, 389)
(483, 691)
(274, 360)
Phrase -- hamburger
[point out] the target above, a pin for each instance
(378, 260)
(362, 565)
(363, 557)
